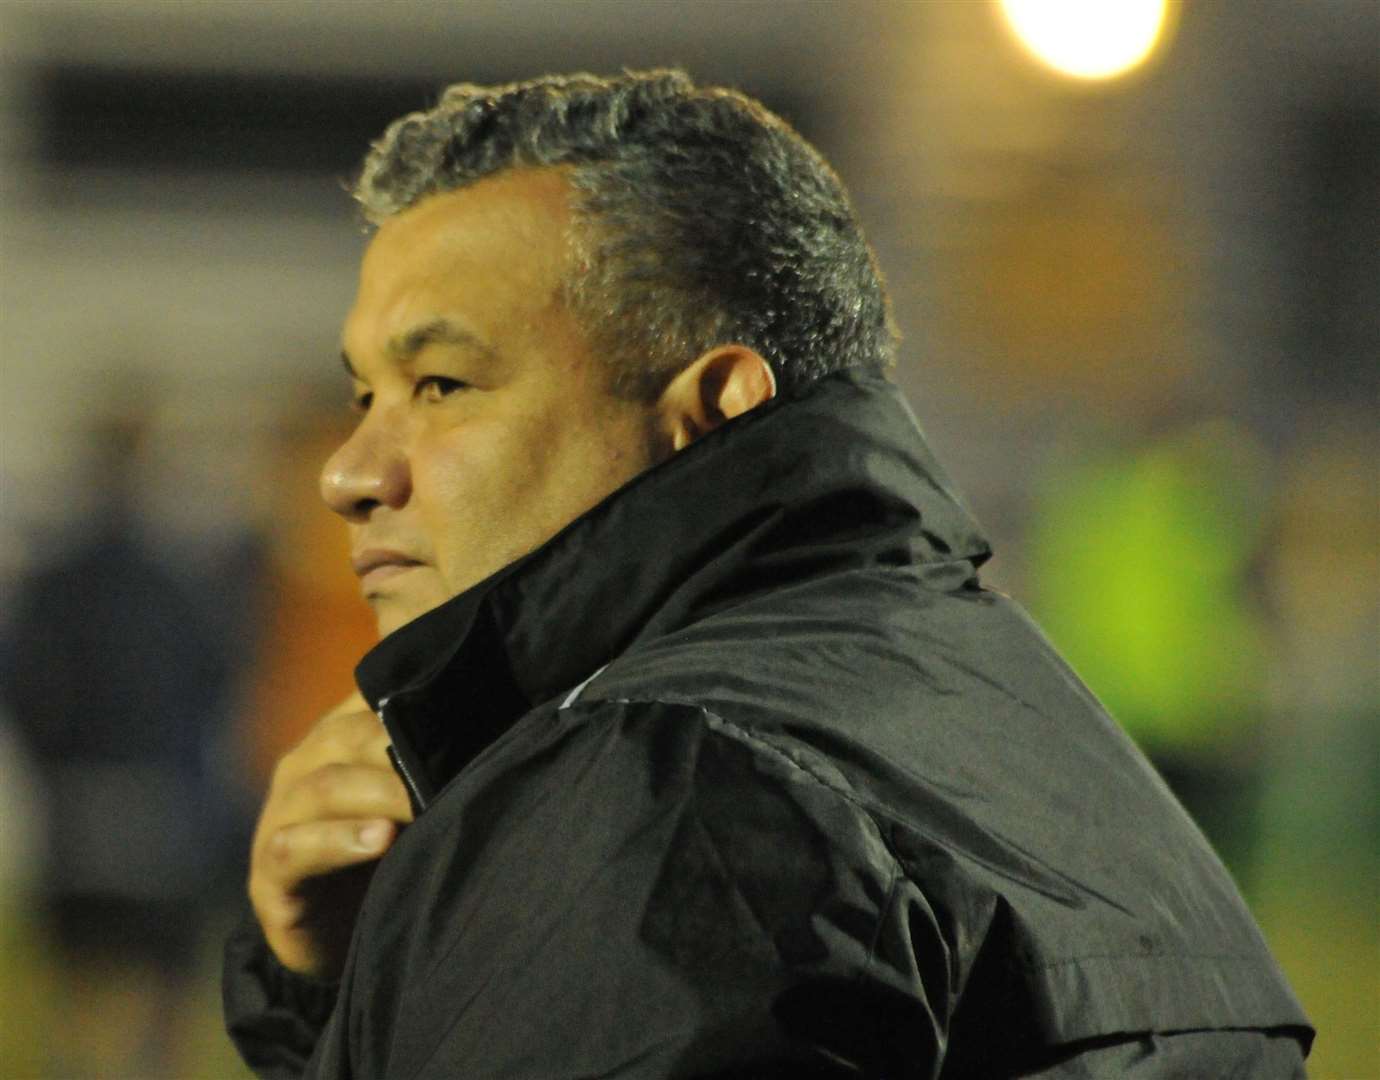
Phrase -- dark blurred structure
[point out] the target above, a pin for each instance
(121, 664)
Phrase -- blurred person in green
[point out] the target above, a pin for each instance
(1139, 568)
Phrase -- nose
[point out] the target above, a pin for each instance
(369, 470)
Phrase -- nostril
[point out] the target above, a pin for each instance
(368, 472)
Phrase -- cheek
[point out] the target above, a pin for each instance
(477, 491)
(490, 490)
(484, 462)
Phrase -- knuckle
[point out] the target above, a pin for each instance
(377, 744)
(345, 724)
(328, 780)
(320, 740)
(327, 726)
(279, 847)
(339, 744)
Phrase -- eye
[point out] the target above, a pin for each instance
(432, 388)
(361, 401)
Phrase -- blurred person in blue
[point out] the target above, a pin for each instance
(120, 662)
(694, 745)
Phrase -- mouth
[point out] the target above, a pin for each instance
(377, 566)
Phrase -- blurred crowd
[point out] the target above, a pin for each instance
(161, 646)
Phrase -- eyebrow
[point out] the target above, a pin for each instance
(438, 331)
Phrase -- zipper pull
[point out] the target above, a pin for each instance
(410, 775)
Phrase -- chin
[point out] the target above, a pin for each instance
(390, 616)
(395, 610)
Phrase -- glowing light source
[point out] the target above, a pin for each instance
(1088, 39)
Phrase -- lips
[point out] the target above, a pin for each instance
(376, 565)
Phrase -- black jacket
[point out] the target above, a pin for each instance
(745, 774)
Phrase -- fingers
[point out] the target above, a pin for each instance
(338, 738)
(314, 848)
(334, 806)
(343, 791)
(353, 703)
(333, 799)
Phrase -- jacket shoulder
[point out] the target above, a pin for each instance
(1066, 881)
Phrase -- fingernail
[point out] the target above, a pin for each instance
(372, 836)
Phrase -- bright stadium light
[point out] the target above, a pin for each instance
(1088, 39)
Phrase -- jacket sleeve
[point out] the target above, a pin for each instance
(645, 890)
(273, 1015)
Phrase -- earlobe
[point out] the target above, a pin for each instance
(686, 432)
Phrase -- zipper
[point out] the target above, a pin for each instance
(414, 789)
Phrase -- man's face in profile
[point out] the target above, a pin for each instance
(486, 423)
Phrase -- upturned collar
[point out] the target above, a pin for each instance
(835, 476)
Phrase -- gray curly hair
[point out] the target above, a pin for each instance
(700, 219)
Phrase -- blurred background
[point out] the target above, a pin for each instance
(1142, 319)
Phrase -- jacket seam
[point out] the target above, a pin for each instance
(882, 914)
(756, 742)
(1139, 958)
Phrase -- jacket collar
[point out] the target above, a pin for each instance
(836, 476)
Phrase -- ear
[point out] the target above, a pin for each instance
(723, 383)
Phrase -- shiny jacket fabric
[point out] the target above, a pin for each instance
(745, 774)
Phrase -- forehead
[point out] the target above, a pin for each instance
(495, 243)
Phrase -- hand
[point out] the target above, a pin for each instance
(334, 807)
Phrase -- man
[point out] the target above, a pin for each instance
(702, 750)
